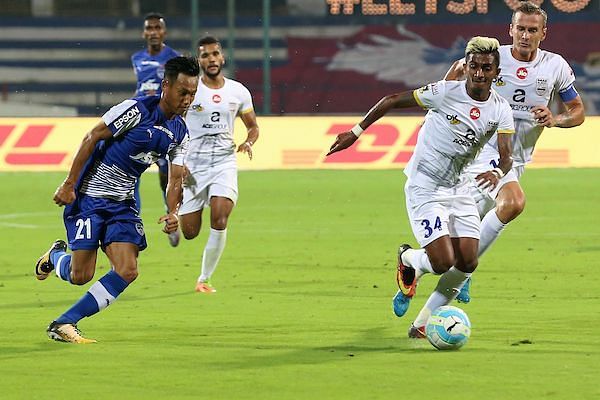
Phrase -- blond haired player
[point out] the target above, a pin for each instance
(211, 156)
(530, 76)
(462, 117)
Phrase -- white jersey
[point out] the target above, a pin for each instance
(526, 85)
(455, 129)
(210, 121)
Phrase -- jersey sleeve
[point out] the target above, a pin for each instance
(246, 98)
(431, 96)
(506, 122)
(565, 81)
(178, 152)
(124, 116)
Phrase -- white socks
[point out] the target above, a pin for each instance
(417, 258)
(212, 253)
(491, 227)
(446, 290)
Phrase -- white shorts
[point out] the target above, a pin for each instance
(486, 199)
(202, 185)
(434, 213)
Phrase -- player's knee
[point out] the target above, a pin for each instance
(219, 223)
(81, 277)
(129, 274)
(189, 233)
(468, 266)
(510, 208)
(441, 264)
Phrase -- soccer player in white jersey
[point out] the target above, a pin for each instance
(211, 157)
(528, 80)
(462, 117)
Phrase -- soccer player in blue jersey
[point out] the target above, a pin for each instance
(98, 194)
(149, 68)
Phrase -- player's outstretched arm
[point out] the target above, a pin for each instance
(489, 179)
(174, 197)
(389, 102)
(252, 131)
(65, 193)
(456, 71)
(573, 115)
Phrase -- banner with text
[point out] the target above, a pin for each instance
(49, 144)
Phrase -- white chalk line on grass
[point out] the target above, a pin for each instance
(5, 219)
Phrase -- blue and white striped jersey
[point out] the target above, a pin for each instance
(150, 70)
(141, 135)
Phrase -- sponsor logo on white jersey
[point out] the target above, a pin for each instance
(216, 98)
(541, 86)
(475, 113)
(522, 73)
(453, 119)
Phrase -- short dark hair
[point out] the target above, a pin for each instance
(156, 15)
(181, 65)
(208, 40)
(529, 8)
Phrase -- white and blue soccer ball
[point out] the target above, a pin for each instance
(448, 328)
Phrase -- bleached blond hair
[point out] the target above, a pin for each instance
(483, 45)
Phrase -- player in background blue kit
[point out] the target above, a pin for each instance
(149, 69)
(98, 194)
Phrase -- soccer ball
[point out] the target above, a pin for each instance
(448, 328)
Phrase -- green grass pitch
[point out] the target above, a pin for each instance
(303, 309)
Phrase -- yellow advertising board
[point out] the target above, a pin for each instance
(48, 144)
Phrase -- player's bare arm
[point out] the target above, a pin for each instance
(489, 179)
(174, 197)
(573, 115)
(389, 102)
(249, 120)
(65, 193)
(456, 71)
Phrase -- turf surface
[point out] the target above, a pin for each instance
(303, 309)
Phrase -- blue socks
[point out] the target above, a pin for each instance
(99, 296)
(62, 264)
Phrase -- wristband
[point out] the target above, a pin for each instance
(498, 172)
(248, 143)
(357, 130)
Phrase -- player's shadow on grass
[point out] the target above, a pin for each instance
(67, 301)
(369, 341)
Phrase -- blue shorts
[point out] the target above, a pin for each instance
(92, 222)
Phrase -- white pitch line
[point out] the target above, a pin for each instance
(23, 226)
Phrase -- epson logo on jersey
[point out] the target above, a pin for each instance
(128, 115)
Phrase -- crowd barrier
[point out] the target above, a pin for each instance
(48, 144)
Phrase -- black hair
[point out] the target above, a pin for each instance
(155, 15)
(181, 65)
(208, 40)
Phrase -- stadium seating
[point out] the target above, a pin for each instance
(317, 67)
